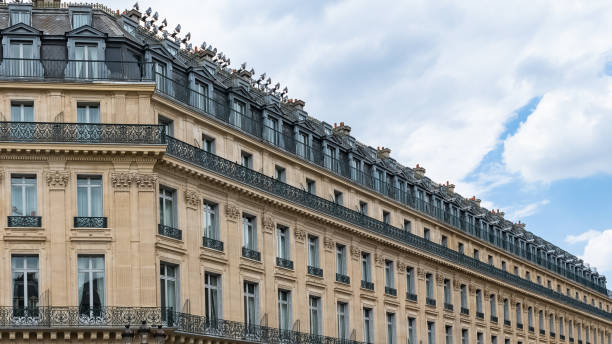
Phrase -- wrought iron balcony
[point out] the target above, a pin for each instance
(315, 271)
(542, 332)
(86, 133)
(531, 329)
(571, 339)
(90, 222)
(284, 263)
(519, 326)
(562, 336)
(367, 285)
(24, 221)
(465, 311)
(507, 323)
(552, 334)
(579, 341)
(343, 278)
(448, 307)
(170, 232)
(62, 318)
(411, 297)
(494, 319)
(430, 302)
(228, 169)
(480, 315)
(212, 243)
(251, 254)
(391, 291)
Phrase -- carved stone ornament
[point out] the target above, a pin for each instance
(192, 198)
(456, 284)
(232, 212)
(439, 279)
(57, 179)
(401, 267)
(268, 224)
(355, 252)
(122, 180)
(473, 290)
(146, 181)
(300, 235)
(500, 298)
(380, 260)
(421, 273)
(1, 174)
(328, 243)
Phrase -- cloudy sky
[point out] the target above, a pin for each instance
(511, 101)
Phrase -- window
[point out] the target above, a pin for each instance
(22, 111)
(539, 279)
(169, 289)
(311, 186)
(551, 323)
(561, 332)
(302, 145)
(410, 287)
(314, 303)
(490, 260)
(249, 232)
(89, 196)
(519, 311)
(447, 292)
(493, 339)
(20, 16)
(23, 195)
(210, 224)
(527, 276)
(493, 305)
(412, 338)
(426, 234)
(251, 303)
(368, 332)
(246, 160)
(341, 259)
(280, 174)
(366, 274)
(407, 226)
(464, 336)
(282, 239)
(389, 276)
(390, 328)
(343, 324)
(516, 270)
(161, 76)
(506, 310)
(460, 248)
(208, 144)
(363, 208)
(444, 241)
(448, 331)
(200, 96)
(284, 310)
(238, 113)
(431, 332)
(338, 198)
(91, 284)
(25, 276)
(530, 317)
(386, 217)
(479, 301)
(313, 251)
(479, 338)
(503, 265)
(548, 284)
(476, 256)
(167, 209)
(168, 125)
(464, 296)
(212, 296)
(21, 59)
(541, 320)
(88, 113)
(272, 130)
(86, 56)
(429, 286)
(80, 19)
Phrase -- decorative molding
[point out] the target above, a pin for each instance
(328, 243)
(146, 181)
(57, 179)
(192, 198)
(456, 284)
(379, 259)
(300, 235)
(232, 212)
(355, 252)
(59, 118)
(1, 174)
(421, 273)
(439, 279)
(268, 224)
(122, 180)
(473, 289)
(500, 298)
(401, 267)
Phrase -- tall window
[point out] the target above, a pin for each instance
(168, 125)
(210, 224)
(341, 259)
(212, 296)
(429, 286)
(431, 332)
(161, 76)
(311, 186)
(389, 275)
(478, 301)
(407, 226)
(91, 284)
(390, 328)
(284, 310)
(251, 305)
(301, 147)
(208, 144)
(24, 271)
(464, 296)
(86, 56)
(551, 323)
(89, 196)
(465, 339)
(426, 234)
(412, 338)
(343, 320)
(561, 327)
(313, 251)
(201, 95)
(246, 160)
(239, 111)
(280, 174)
(506, 310)
(410, 287)
(22, 63)
(479, 338)
(476, 254)
(519, 311)
(363, 208)
(541, 320)
(366, 274)
(386, 217)
(447, 292)
(448, 331)
(80, 19)
(338, 197)
(249, 232)
(314, 303)
(22, 112)
(272, 130)
(282, 239)
(493, 305)
(460, 248)
(23, 195)
(88, 113)
(368, 323)
(167, 209)
(169, 289)
(444, 241)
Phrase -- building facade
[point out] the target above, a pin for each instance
(145, 180)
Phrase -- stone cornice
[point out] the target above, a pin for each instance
(140, 87)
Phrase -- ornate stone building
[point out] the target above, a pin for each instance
(145, 180)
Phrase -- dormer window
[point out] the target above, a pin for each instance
(21, 16)
(80, 19)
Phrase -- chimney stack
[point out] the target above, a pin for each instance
(383, 153)
(450, 187)
(299, 104)
(342, 129)
(476, 200)
(419, 171)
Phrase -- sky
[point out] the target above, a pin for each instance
(510, 101)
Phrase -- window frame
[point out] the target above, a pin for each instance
(89, 198)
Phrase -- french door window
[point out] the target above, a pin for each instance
(25, 285)
(91, 285)
(89, 196)
(23, 196)
(87, 65)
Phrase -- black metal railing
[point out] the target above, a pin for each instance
(170, 232)
(552, 334)
(531, 329)
(562, 336)
(430, 302)
(98, 133)
(519, 326)
(24, 221)
(251, 254)
(411, 297)
(367, 285)
(315, 271)
(284, 263)
(465, 311)
(494, 319)
(117, 317)
(542, 332)
(343, 278)
(448, 306)
(480, 315)
(391, 291)
(251, 178)
(90, 222)
(507, 323)
(212, 243)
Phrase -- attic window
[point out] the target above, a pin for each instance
(21, 16)
(80, 19)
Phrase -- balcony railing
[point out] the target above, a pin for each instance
(212, 243)
(507, 323)
(266, 184)
(519, 326)
(315, 271)
(411, 297)
(284, 263)
(24, 221)
(391, 291)
(90, 222)
(448, 307)
(494, 319)
(112, 318)
(343, 278)
(430, 302)
(251, 254)
(52, 132)
(465, 311)
(480, 315)
(367, 285)
(531, 329)
(170, 232)
(542, 332)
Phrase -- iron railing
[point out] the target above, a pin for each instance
(170, 232)
(367, 285)
(52, 132)
(228, 169)
(315, 271)
(465, 311)
(284, 263)
(251, 254)
(343, 278)
(391, 291)
(212, 243)
(411, 297)
(430, 302)
(24, 221)
(90, 222)
(117, 317)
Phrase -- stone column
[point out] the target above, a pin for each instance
(143, 237)
(58, 229)
(232, 294)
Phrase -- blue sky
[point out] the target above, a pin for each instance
(510, 101)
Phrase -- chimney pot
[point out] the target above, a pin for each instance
(450, 187)
(419, 172)
(383, 153)
(342, 129)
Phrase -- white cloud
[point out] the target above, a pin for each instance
(598, 248)
(526, 210)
